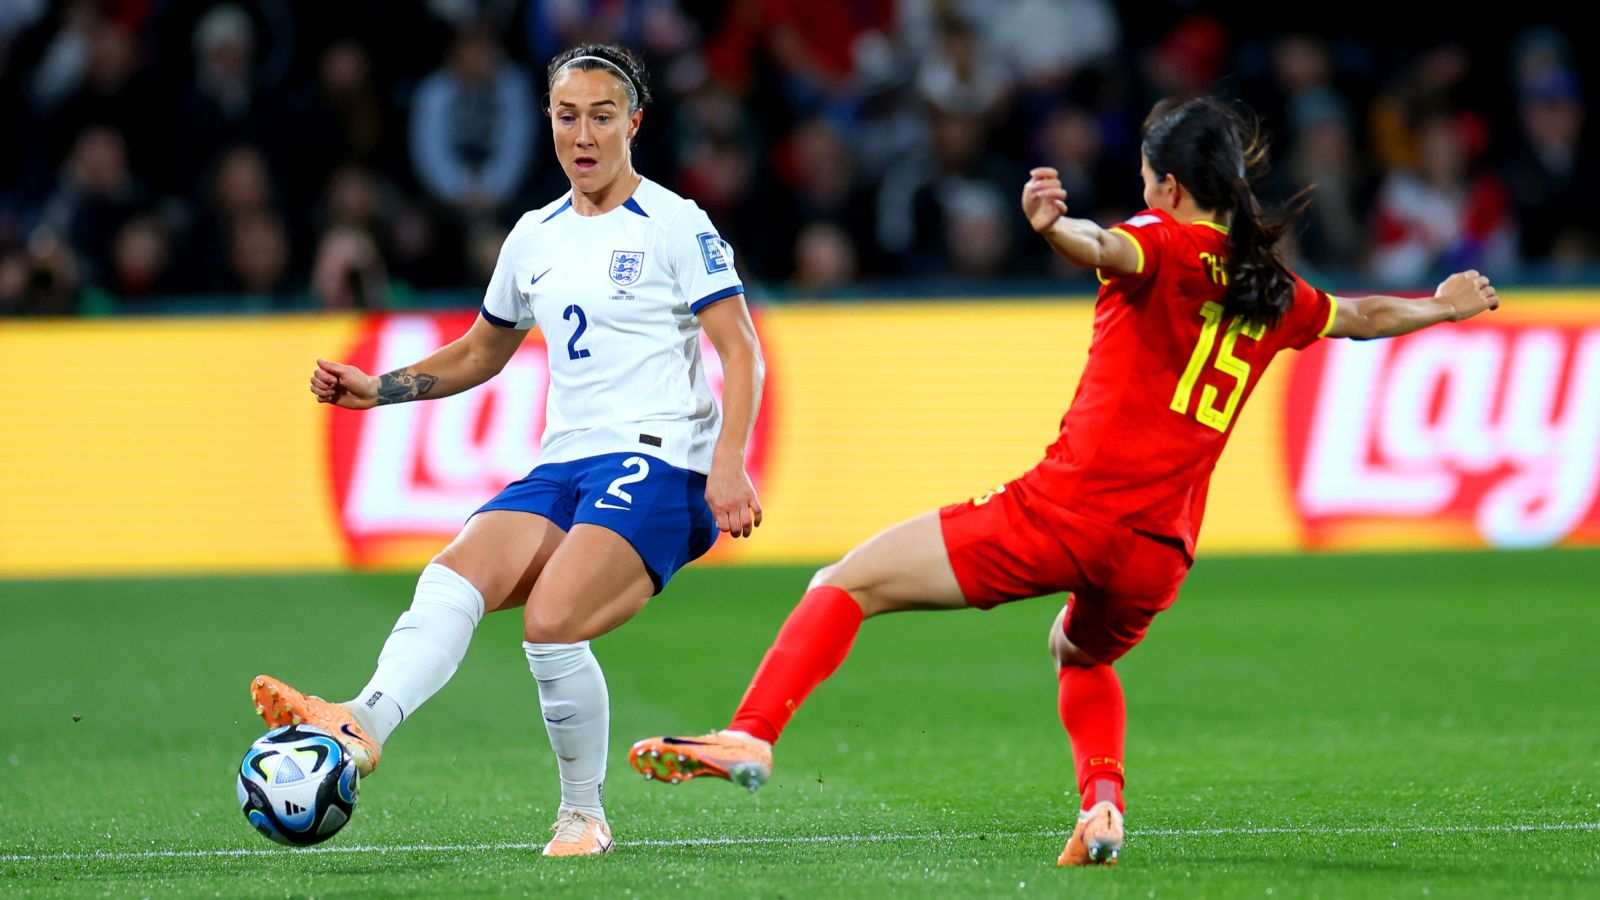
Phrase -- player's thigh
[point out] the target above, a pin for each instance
(502, 553)
(902, 567)
(594, 581)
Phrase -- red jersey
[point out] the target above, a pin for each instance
(1168, 373)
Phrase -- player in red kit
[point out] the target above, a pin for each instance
(1195, 303)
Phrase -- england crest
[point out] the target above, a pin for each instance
(626, 266)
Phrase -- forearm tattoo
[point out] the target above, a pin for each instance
(401, 385)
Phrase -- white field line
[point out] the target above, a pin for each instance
(934, 836)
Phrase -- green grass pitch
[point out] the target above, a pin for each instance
(1395, 726)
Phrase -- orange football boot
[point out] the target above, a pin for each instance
(279, 704)
(1097, 841)
(720, 754)
(578, 834)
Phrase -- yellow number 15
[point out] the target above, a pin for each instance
(1206, 412)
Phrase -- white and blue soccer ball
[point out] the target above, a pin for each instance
(297, 785)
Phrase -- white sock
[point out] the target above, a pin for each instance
(422, 652)
(577, 715)
(744, 736)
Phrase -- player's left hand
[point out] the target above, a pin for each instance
(1468, 293)
(733, 499)
(1044, 200)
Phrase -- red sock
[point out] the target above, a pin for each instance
(1096, 717)
(812, 643)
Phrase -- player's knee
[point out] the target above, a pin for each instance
(1063, 650)
(494, 586)
(548, 625)
(844, 577)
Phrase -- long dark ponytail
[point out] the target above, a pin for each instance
(1217, 155)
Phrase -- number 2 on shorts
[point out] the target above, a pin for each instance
(615, 490)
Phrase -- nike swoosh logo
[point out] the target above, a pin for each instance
(558, 721)
(685, 741)
(539, 276)
(345, 729)
(602, 504)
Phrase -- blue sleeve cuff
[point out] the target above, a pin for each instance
(709, 299)
(496, 320)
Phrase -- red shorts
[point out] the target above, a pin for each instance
(1017, 543)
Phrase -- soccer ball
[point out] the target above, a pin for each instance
(297, 785)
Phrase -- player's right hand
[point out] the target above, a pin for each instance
(1468, 293)
(343, 385)
(1044, 200)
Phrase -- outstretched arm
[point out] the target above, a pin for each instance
(1461, 296)
(1079, 241)
(728, 488)
(464, 363)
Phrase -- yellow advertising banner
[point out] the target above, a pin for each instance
(194, 445)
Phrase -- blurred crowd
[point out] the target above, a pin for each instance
(343, 154)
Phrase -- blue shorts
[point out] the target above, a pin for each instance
(660, 509)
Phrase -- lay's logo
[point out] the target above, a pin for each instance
(1475, 433)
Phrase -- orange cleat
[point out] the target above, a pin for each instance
(578, 834)
(721, 754)
(1097, 841)
(279, 704)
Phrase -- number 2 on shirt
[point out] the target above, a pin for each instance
(1207, 413)
(573, 350)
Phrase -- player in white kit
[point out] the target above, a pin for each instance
(637, 472)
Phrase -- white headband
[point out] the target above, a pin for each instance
(627, 82)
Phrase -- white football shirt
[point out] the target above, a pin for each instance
(616, 296)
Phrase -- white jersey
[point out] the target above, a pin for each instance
(616, 296)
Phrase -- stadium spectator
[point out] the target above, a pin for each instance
(952, 187)
(819, 173)
(1074, 139)
(65, 60)
(222, 105)
(141, 259)
(1302, 69)
(1555, 194)
(1189, 59)
(342, 120)
(472, 127)
(1322, 152)
(111, 92)
(824, 259)
(242, 183)
(961, 74)
(239, 185)
(660, 27)
(40, 279)
(1440, 214)
(349, 272)
(1082, 34)
(96, 195)
(1431, 85)
(818, 48)
(259, 256)
(977, 232)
